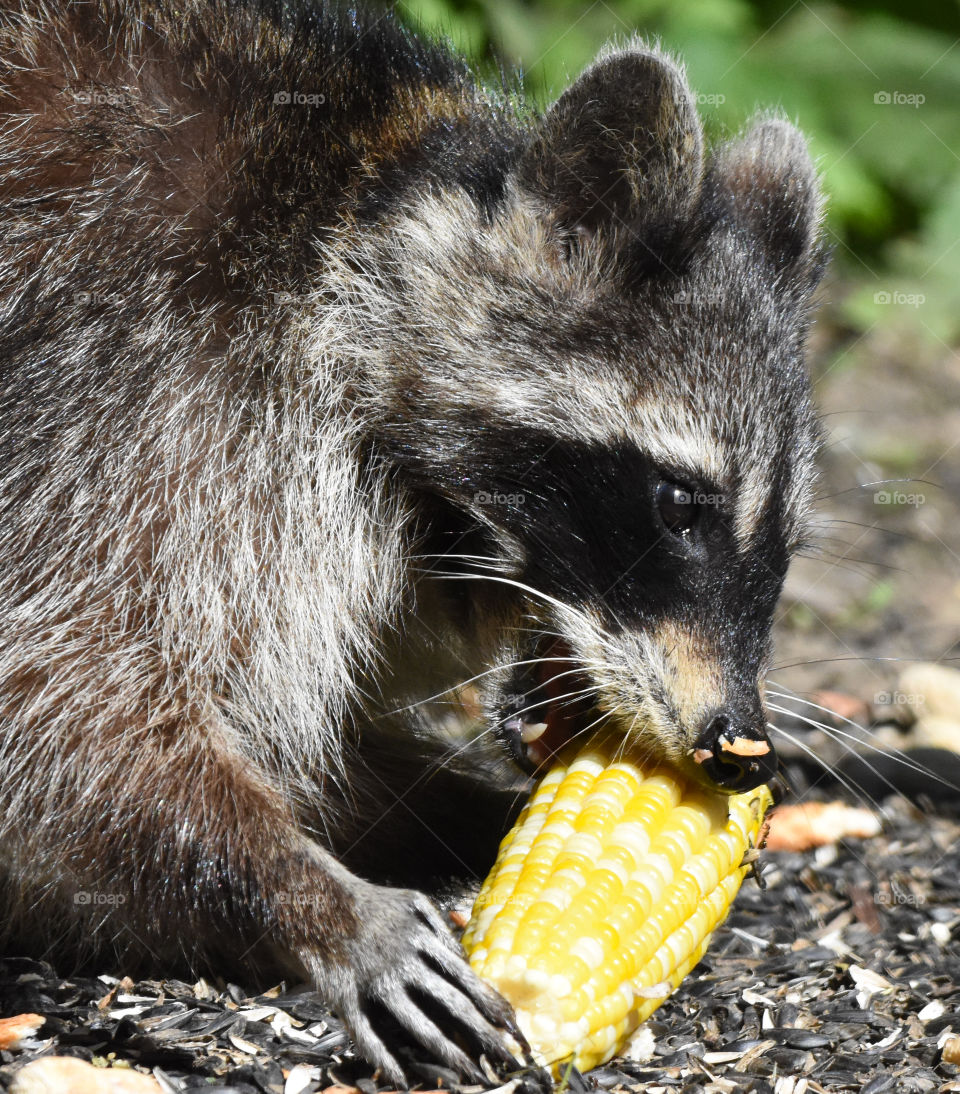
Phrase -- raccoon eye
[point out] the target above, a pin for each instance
(676, 507)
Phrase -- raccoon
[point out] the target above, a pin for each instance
(335, 380)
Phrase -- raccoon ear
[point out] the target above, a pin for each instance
(768, 180)
(621, 147)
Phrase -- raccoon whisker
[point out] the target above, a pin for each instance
(860, 524)
(835, 733)
(599, 632)
(897, 755)
(862, 658)
(564, 563)
(493, 563)
(870, 485)
(452, 753)
(587, 661)
(457, 554)
(489, 730)
(823, 554)
(823, 538)
(820, 725)
(538, 630)
(856, 791)
(609, 714)
(621, 748)
(569, 700)
(570, 696)
(566, 699)
(605, 714)
(460, 555)
(791, 696)
(564, 609)
(852, 565)
(567, 565)
(464, 683)
(491, 727)
(648, 750)
(910, 537)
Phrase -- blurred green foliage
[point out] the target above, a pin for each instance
(876, 86)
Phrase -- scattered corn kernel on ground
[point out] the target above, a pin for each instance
(604, 896)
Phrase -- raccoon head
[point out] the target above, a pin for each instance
(602, 380)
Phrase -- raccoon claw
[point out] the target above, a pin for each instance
(510, 1025)
(404, 987)
(371, 1048)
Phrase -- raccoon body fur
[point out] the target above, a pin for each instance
(332, 380)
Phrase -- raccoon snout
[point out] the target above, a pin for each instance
(733, 754)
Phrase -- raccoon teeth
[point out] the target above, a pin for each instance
(536, 755)
(532, 731)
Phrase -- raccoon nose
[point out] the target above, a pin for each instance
(736, 756)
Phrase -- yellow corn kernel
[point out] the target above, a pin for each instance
(604, 896)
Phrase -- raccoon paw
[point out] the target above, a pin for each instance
(402, 985)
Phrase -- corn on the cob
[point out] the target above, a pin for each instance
(604, 896)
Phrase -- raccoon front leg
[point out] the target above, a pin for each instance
(399, 964)
(190, 845)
